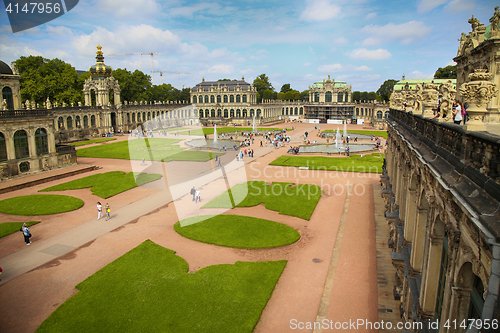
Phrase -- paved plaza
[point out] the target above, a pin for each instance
(339, 270)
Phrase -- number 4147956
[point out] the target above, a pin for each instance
(34, 7)
(486, 323)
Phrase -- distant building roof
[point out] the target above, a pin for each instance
(412, 83)
(231, 85)
(5, 69)
(336, 83)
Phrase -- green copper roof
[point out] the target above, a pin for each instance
(336, 84)
(412, 83)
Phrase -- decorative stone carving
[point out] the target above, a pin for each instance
(33, 105)
(430, 96)
(15, 70)
(477, 93)
(56, 104)
(79, 103)
(495, 20)
(63, 104)
(448, 96)
(48, 105)
(28, 105)
(4, 104)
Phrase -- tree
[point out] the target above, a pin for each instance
(386, 88)
(134, 86)
(449, 72)
(304, 96)
(44, 78)
(261, 83)
(281, 95)
(356, 96)
(285, 88)
(268, 94)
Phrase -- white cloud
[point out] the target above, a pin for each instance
(364, 54)
(371, 15)
(340, 41)
(405, 32)
(330, 68)
(371, 41)
(363, 69)
(307, 64)
(221, 69)
(59, 30)
(11, 50)
(320, 10)
(130, 8)
(460, 5)
(427, 5)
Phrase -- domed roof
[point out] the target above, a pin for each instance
(100, 70)
(5, 69)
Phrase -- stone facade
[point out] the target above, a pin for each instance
(441, 187)
(10, 87)
(329, 91)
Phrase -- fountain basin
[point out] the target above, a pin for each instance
(333, 149)
(201, 143)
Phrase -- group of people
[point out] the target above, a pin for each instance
(196, 194)
(459, 112)
(244, 152)
(293, 150)
(99, 211)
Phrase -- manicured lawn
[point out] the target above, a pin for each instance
(382, 134)
(285, 198)
(238, 231)
(7, 228)
(107, 184)
(39, 204)
(153, 149)
(89, 142)
(149, 289)
(210, 130)
(371, 163)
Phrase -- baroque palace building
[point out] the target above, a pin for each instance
(33, 136)
(441, 184)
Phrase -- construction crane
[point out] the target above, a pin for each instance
(144, 53)
(171, 72)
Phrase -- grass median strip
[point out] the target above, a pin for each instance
(39, 204)
(285, 198)
(238, 231)
(149, 289)
(370, 163)
(107, 184)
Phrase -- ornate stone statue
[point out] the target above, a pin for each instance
(477, 93)
(33, 105)
(448, 96)
(79, 103)
(417, 101)
(63, 104)
(48, 105)
(429, 99)
(4, 104)
(495, 20)
(72, 104)
(28, 105)
(13, 65)
(56, 104)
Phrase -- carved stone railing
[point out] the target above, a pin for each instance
(475, 154)
(5, 114)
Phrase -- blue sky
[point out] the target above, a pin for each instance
(361, 42)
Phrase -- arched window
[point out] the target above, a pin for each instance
(258, 113)
(133, 117)
(225, 99)
(206, 99)
(316, 96)
(218, 99)
(251, 113)
(219, 113)
(301, 111)
(238, 98)
(69, 122)
(60, 123)
(128, 118)
(357, 111)
(244, 113)
(286, 112)
(207, 113)
(149, 115)
(212, 99)
(231, 99)
(7, 95)
(3, 148)
(346, 98)
(296, 111)
(283, 111)
(379, 115)
(41, 141)
(85, 121)
(244, 98)
(238, 113)
(328, 96)
(78, 122)
(231, 113)
(195, 100)
(92, 121)
(386, 115)
(225, 113)
(144, 116)
(21, 144)
(340, 97)
(212, 113)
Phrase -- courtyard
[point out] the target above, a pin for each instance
(330, 270)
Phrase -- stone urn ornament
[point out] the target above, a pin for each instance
(477, 93)
(430, 96)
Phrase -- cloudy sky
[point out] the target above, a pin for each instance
(361, 42)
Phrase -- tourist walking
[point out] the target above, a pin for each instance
(193, 192)
(198, 198)
(26, 233)
(457, 113)
(108, 212)
(99, 210)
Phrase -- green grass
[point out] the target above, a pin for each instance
(285, 198)
(382, 134)
(174, 129)
(149, 290)
(39, 204)
(89, 142)
(370, 163)
(153, 149)
(238, 231)
(107, 184)
(210, 130)
(7, 228)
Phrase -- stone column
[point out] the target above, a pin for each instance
(477, 93)
(9, 144)
(31, 143)
(429, 99)
(459, 306)
(410, 215)
(418, 244)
